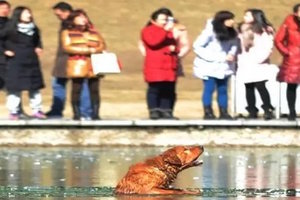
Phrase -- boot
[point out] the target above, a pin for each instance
(268, 112)
(76, 111)
(224, 114)
(154, 114)
(208, 113)
(252, 112)
(167, 114)
(95, 111)
(292, 116)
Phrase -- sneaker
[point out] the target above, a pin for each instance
(85, 118)
(14, 116)
(39, 115)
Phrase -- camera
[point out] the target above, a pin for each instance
(171, 19)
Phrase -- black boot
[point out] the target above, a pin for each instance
(252, 112)
(208, 113)
(95, 110)
(154, 114)
(167, 114)
(76, 110)
(268, 112)
(224, 114)
(292, 116)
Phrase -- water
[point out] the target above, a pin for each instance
(92, 173)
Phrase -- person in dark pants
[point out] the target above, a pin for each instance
(80, 39)
(160, 65)
(287, 41)
(180, 34)
(62, 10)
(256, 34)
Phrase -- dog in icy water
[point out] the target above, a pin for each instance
(155, 175)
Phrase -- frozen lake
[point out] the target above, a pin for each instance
(92, 173)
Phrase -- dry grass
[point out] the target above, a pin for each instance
(120, 22)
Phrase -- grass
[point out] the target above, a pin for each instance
(120, 22)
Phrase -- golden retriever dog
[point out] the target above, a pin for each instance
(155, 175)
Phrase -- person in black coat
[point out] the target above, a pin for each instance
(4, 12)
(23, 46)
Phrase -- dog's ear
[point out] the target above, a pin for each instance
(172, 158)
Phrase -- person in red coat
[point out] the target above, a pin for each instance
(287, 41)
(160, 64)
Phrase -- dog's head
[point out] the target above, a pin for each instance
(183, 156)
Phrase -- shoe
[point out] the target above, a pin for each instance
(208, 113)
(224, 114)
(154, 114)
(14, 116)
(86, 118)
(252, 115)
(53, 115)
(39, 115)
(268, 111)
(268, 114)
(292, 116)
(167, 114)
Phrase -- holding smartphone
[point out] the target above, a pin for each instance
(170, 23)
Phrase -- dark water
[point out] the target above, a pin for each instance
(92, 173)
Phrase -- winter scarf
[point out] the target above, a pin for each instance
(26, 28)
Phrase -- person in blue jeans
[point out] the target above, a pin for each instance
(59, 99)
(62, 10)
(215, 50)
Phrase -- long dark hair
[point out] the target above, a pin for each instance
(223, 32)
(296, 18)
(17, 12)
(16, 18)
(260, 23)
(69, 23)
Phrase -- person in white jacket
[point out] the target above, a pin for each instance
(256, 36)
(215, 50)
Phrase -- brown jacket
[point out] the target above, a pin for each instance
(80, 46)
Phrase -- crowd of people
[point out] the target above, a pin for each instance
(221, 50)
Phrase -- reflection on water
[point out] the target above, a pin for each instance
(90, 173)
